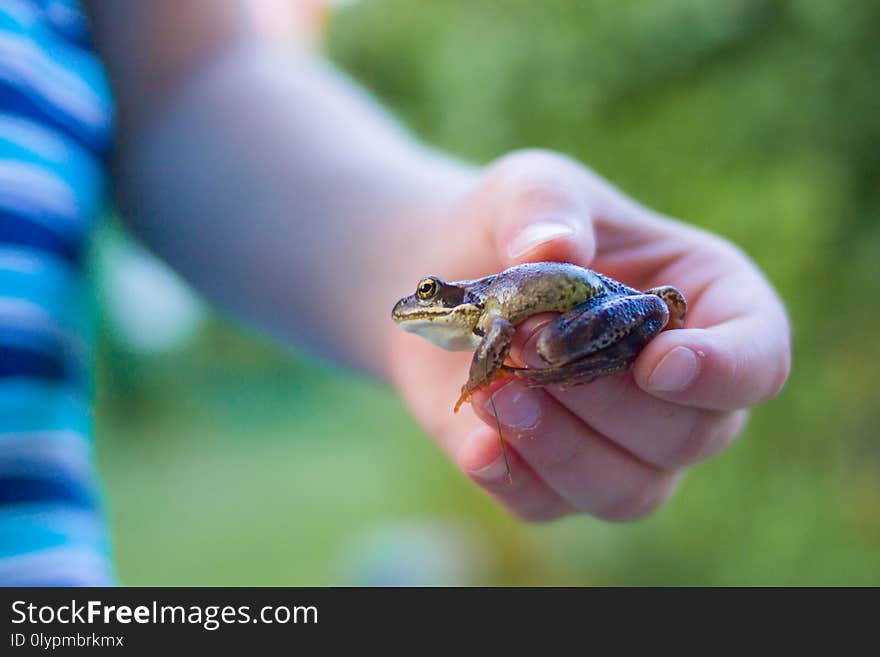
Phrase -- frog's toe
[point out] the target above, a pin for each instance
(465, 396)
(468, 389)
(675, 303)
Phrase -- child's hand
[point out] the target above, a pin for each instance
(612, 448)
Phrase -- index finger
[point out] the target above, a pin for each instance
(736, 350)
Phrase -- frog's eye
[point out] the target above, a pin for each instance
(427, 288)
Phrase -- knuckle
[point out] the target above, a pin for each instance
(724, 251)
(537, 508)
(528, 160)
(710, 433)
(540, 514)
(535, 179)
(538, 195)
(639, 501)
(718, 359)
(783, 371)
(731, 252)
(695, 447)
(699, 443)
(726, 364)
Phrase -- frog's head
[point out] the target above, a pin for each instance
(444, 313)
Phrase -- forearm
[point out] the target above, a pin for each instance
(283, 194)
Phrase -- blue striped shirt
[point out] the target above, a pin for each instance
(55, 127)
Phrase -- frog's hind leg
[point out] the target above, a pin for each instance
(600, 324)
(589, 368)
(608, 360)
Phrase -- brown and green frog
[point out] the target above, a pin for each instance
(602, 327)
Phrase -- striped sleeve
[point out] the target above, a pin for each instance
(55, 125)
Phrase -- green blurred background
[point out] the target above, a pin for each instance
(229, 461)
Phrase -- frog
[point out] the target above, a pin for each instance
(600, 328)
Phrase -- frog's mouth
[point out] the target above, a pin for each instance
(424, 314)
(462, 314)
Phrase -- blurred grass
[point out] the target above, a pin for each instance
(232, 463)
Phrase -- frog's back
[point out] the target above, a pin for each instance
(534, 287)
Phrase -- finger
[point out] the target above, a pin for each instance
(735, 351)
(539, 209)
(523, 492)
(662, 433)
(473, 445)
(589, 472)
(733, 365)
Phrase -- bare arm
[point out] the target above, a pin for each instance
(270, 181)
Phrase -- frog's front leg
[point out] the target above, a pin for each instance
(489, 356)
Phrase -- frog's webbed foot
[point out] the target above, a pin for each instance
(675, 302)
(465, 396)
(466, 392)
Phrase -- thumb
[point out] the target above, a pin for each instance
(539, 209)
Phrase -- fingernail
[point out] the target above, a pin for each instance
(495, 471)
(536, 234)
(517, 407)
(675, 372)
